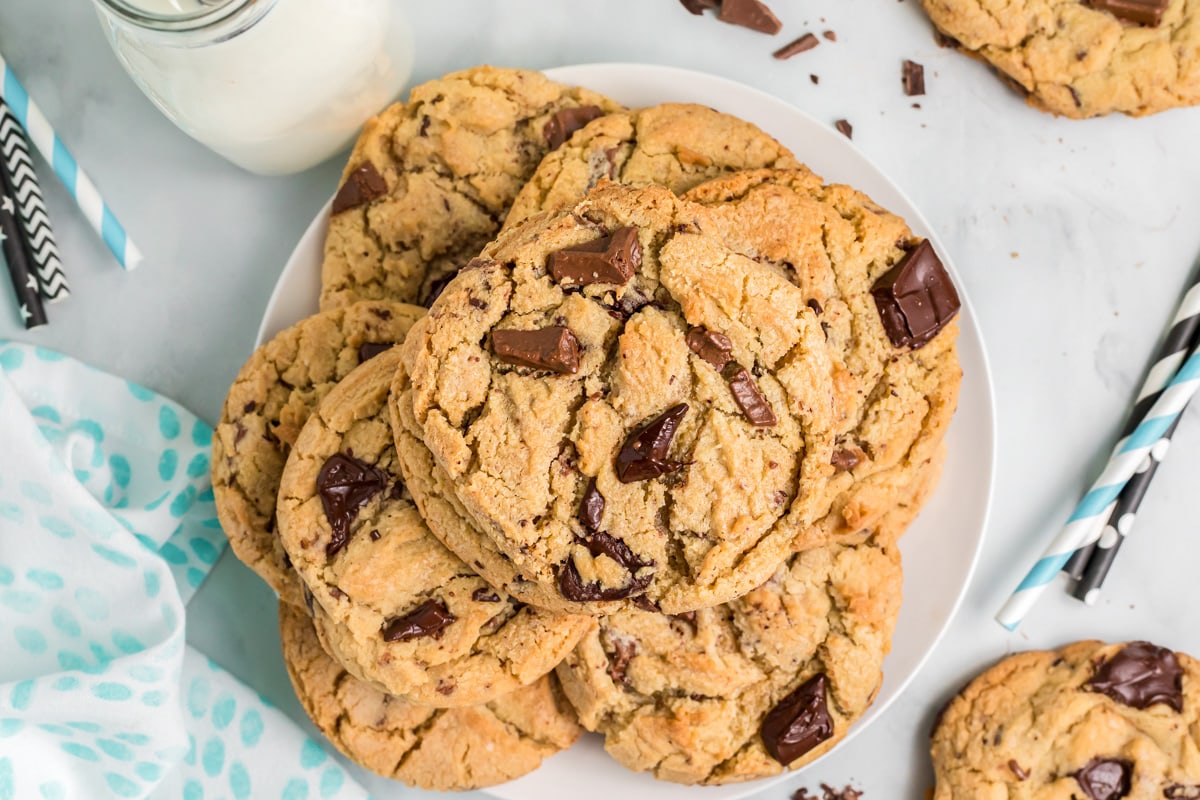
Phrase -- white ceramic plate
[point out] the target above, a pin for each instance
(940, 549)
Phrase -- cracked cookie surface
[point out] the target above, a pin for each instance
(392, 604)
(267, 405)
(1073, 59)
(676, 145)
(430, 180)
(437, 749)
(1089, 720)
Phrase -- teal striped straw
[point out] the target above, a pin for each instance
(67, 169)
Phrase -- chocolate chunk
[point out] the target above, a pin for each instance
(1017, 769)
(646, 604)
(485, 595)
(554, 348)
(844, 128)
(571, 584)
(1105, 779)
(376, 535)
(1141, 675)
(803, 44)
(566, 121)
(368, 350)
(431, 618)
(748, 397)
(916, 298)
(361, 187)
(698, 7)
(644, 454)
(844, 460)
(830, 35)
(345, 485)
(798, 723)
(815, 305)
(623, 652)
(1177, 791)
(591, 509)
(750, 14)
(914, 78)
(436, 287)
(609, 259)
(713, 346)
(1139, 12)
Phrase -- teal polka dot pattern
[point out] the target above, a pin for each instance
(311, 754)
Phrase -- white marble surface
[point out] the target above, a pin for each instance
(1073, 240)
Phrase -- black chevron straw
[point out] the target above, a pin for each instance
(31, 209)
(12, 244)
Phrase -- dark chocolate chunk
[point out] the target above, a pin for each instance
(623, 652)
(554, 348)
(713, 346)
(844, 128)
(751, 14)
(376, 535)
(361, 187)
(1141, 675)
(436, 287)
(591, 509)
(748, 397)
(916, 298)
(431, 618)
(799, 722)
(794, 48)
(1139, 12)
(815, 305)
(566, 121)
(1177, 791)
(1105, 779)
(1017, 769)
(609, 259)
(646, 604)
(913, 76)
(571, 584)
(698, 7)
(368, 350)
(644, 454)
(844, 460)
(345, 485)
(485, 595)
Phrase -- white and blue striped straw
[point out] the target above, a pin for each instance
(65, 167)
(1097, 503)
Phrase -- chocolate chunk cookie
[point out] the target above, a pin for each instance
(393, 605)
(267, 405)
(430, 180)
(1089, 720)
(431, 748)
(1083, 59)
(676, 145)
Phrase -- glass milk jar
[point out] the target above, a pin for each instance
(275, 86)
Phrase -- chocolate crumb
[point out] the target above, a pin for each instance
(797, 46)
(844, 128)
(830, 35)
(815, 79)
(913, 76)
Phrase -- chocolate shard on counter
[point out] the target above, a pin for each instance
(712, 346)
(571, 584)
(698, 7)
(1105, 779)
(1141, 675)
(431, 618)
(644, 454)
(1139, 12)
(844, 128)
(554, 348)
(368, 350)
(566, 121)
(799, 722)
(609, 259)
(794, 48)
(913, 75)
(748, 397)
(591, 508)
(361, 187)
(751, 14)
(916, 298)
(345, 485)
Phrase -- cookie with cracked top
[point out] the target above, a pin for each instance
(1088, 720)
(392, 604)
(438, 749)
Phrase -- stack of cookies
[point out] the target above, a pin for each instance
(610, 420)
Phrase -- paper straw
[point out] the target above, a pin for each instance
(31, 209)
(12, 245)
(68, 171)
(1129, 455)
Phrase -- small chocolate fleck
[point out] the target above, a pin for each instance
(794, 48)
(609, 259)
(1141, 675)
(1139, 12)
(249, 407)
(830, 35)
(554, 348)
(748, 397)
(844, 460)
(816, 79)
(485, 595)
(1105, 779)
(623, 652)
(431, 618)
(445, 688)
(913, 76)
(475, 302)
(1177, 791)
(566, 121)
(361, 187)
(751, 14)
(646, 604)
(376, 535)
(591, 508)
(844, 128)
(345, 484)
(644, 454)
(1017, 769)
(571, 584)
(799, 722)
(424, 130)
(916, 298)
(815, 306)
(712, 346)
(368, 350)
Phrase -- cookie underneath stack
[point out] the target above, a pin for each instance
(642, 467)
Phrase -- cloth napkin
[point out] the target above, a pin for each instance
(107, 528)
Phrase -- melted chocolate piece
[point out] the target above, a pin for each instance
(916, 298)
(1018, 770)
(609, 259)
(566, 121)
(591, 508)
(623, 652)
(751, 14)
(571, 584)
(1177, 791)
(815, 305)
(748, 397)
(485, 595)
(554, 348)
(802, 45)
(345, 485)
(698, 7)
(844, 128)
(431, 618)
(713, 346)
(1141, 675)
(843, 460)
(1105, 779)
(368, 350)
(913, 75)
(799, 722)
(644, 454)
(1139, 12)
(361, 187)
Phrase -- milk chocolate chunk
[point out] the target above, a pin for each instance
(698, 7)
(1139, 12)
(913, 76)
(482, 595)
(916, 298)
(566, 121)
(713, 346)
(1105, 779)
(750, 14)
(1141, 675)
(571, 584)
(609, 259)
(748, 397)
(345, 485)
(554, 348)
(799, 722)
(368, 350)
(794, 48)
(591, 509)
(644, 454)
(623, 652)
(431, 618)
(844, 128)
(361, 187)
(844, 460)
